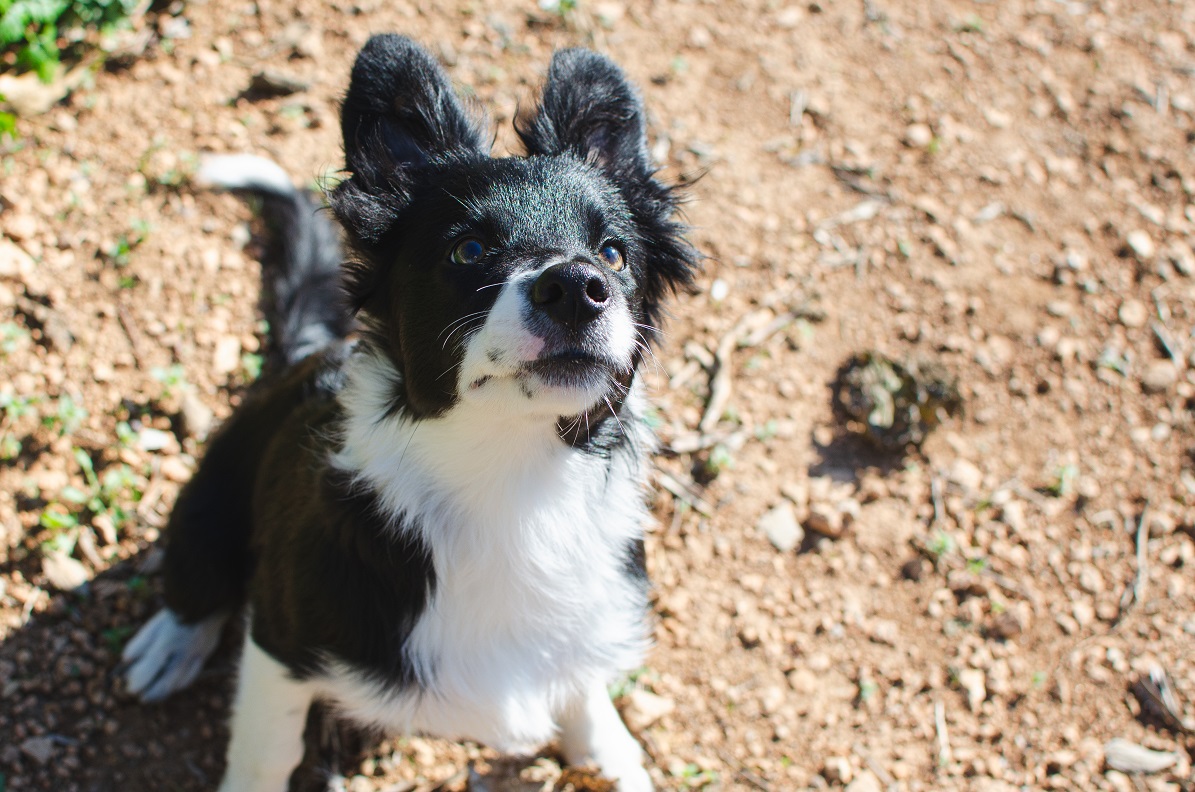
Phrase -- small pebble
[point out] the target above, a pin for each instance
(781, 527)
(918, 135)
(1141, 244)
(866, 782)
(719, 290)
(643, 708)
(197, 416)
(913, 569)
(1133, 313)
(40, 749)
(1159, 376)
(227, 357)
(63, 572)
(974, 684)
(175, 470)
(825, 520)
(838, 770)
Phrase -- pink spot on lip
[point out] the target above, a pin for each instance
(477, 383)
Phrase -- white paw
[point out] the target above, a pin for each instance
(166, 655)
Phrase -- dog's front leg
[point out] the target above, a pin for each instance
(267, 724)
(591, 732)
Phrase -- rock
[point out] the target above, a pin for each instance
(913, 569)
(1129, 757)
(1133, 313)
(1159, 376)
(14, 262)
(802, 680)
(1141, 244)
(174, 469)
(63, 572)
(150, 439)
(269, 84)
(838, 770)
(973, 681)
(866, 782)
(781, 527)
(918, 135)
(197, 416)
(643, 708)
(1005, 626)
(40, 749)
(966, 476)
(227, 357)
(825, 520)
(719, 290)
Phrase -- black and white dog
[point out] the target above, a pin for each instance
(438, 527)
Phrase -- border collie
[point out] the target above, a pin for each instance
(437, 527)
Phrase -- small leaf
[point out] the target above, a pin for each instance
(73, 495)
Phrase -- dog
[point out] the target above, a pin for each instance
(431, 507)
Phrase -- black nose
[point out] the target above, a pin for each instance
(572, 293)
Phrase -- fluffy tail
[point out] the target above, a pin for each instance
(304, 304)
(208, 561)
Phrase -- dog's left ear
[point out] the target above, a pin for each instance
(590, 109)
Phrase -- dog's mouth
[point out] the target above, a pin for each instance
(569, 369)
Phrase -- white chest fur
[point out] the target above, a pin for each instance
(529, 540)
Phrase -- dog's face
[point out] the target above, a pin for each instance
(530, 284)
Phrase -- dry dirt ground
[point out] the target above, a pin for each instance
(1004, 187)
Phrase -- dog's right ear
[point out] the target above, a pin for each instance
(401, 110)
(400, 115)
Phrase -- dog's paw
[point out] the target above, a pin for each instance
(166, 655)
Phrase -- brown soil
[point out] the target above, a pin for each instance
(1007, 189)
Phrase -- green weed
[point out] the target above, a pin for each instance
(37, 31)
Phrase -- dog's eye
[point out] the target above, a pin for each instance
(612, 255)
(467, 251)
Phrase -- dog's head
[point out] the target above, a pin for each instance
(531, 283)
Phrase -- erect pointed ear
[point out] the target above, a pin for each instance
(589, 108)
(401, 111)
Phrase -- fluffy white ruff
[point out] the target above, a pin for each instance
(242, 172)
(529, 538)
(166, 655)
(490, 372)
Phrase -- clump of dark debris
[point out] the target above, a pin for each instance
(895, 404)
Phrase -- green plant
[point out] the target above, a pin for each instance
(720, 458)
(625, 685)
(118, 253)
(941, 544)
(251, 364)
(14, 407)
(692, 776)
(767, 431)
(977, 566)
(102, 494)
(115, 637)
(1062, 482)
(54, 519)
(36, 31)
(173, 378)
(561, 7)
(973, 23)
(67, 417)
(12, 335)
